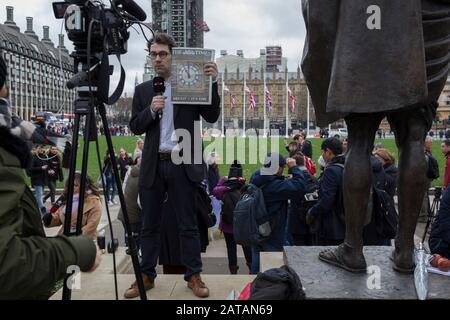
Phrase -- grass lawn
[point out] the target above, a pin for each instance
(235, 147)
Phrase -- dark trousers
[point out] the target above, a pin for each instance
(232, 250)
(110, 184)
(303, 239)
(51, 184)
(172, 179)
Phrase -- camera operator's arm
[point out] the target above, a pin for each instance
(142, 116)
(30, 263)
(211, 113)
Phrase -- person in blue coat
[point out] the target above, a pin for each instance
(276, 190)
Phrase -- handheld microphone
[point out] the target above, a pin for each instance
(159, 88)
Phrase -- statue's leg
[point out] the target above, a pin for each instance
(410, 129)
(362, 129)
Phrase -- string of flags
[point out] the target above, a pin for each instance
(268, 97)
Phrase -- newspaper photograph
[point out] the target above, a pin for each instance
(189, 83)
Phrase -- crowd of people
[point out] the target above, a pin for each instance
(171, 206)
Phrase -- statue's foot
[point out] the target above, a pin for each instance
(403, 261)
(345, 257)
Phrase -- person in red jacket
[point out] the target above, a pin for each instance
(445, 148)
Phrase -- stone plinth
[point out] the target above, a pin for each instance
(324, 281)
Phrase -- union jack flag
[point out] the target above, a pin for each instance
(232, 100)
(203, 26)
(232, 96)
(252, 102)
(269, 100)
(292, 99)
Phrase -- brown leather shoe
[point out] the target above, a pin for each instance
(133, 291)
(197, 286)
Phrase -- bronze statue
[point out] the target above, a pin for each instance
(397, 70)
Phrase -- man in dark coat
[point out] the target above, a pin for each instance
(364, 72)
(297, 226)
(327, 216)
(161, 169)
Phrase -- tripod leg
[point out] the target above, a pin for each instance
(84, 165)
(132, 248)
(108, 215)
(67, 293)
(431, 213)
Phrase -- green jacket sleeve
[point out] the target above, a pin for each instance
(31, 264)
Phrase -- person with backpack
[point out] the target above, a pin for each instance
(326, 217)
(297, 227)
(228, 190)
(276, 191)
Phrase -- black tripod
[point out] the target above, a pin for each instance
(432, 210)
(86, 105)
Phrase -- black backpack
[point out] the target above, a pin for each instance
(385, 214)
(277, 284)
(433, 168)
(229, 201)
(251, 224)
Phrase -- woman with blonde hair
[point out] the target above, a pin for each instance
(139, 148)
(92, 209)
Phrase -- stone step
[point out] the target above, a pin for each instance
(167, 287)
(99, 285)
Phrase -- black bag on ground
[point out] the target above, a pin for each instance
(277, 284)
(204, 207)
(251, 224)
(386, 217)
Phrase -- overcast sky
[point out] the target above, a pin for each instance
(235, 24)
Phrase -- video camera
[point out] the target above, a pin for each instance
(110, 31)
(97, 32)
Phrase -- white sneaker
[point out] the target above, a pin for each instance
(110, 203)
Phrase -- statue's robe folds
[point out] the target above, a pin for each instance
(352, 69)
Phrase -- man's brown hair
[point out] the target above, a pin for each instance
(162, 38)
